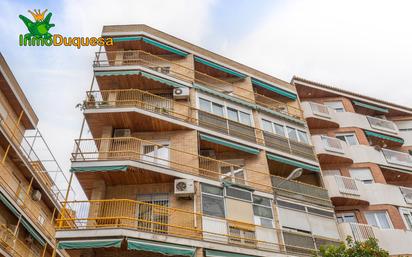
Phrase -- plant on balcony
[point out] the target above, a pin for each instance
(368, 248)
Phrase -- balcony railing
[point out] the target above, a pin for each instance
(399, 158)
(320, 109)
(347, 185)
(407, 194)
(300, 191)
(382, 124)
(172, 109)
(178, 71)
(160, 219)
(332, 144)
(361, 232)
(13, 245)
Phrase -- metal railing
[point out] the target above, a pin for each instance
(396, 157)
(161, 219)
(361, 232)
(320, 109)
(332, 144)
(347, 185)
(13, 245)
(382, 124)
(178, 71)
(172, 109)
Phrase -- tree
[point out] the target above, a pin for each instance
(368, 248)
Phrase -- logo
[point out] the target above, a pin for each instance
(39, 34)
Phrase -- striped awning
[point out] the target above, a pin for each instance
(219, 67)
(230, 144)
(214, 253)
(84, 244)
(159, 247)
(370, 106)
(291, 162)
(382, 136)
(276, 89)
(99, 168)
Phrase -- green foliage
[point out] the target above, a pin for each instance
(368, 248)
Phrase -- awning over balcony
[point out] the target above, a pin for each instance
(382, 136)
(230, 144)
(23, 220)
(137, 72)
(219, 67)
(152, 42)
(274, 89)
(370, 106)
(162, 248)
(291, 162)
(83, 244)
(99, 168)
(214, 253)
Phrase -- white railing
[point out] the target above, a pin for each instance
(332, 144)
(382, 124)
(347, 185)
(407, 194)
(399, 158)
(361, 232)
(320, 109)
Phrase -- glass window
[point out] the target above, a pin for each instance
(212, 190)
(205, 105)
(238, 193)
(336, 105)
(262, 211)
(363, 174)
(350, 139)
(378, 219)
(303, 137)
(232, 114)
(213, 205)
(407, 216)
(217, 109)
(346, 217)
(261, 200)
(267, 126)
(245, 118)
(292, 134)
(279, 129)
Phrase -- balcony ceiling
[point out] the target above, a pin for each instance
(131, 81)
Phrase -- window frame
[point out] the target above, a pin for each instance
(342, 216)
(388, 219)
(344, 135)
(221, 197)
(369, 181)
(259, 217)
(285, 130)
(407, 211)
(335, 101)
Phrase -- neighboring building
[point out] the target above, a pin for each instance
(364, 148)
(186, 152)
(29, 198)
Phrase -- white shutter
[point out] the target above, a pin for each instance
(324, 227)
(293, 219)
(361, 174)
(217, 227)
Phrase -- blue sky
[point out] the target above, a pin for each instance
(358, 45)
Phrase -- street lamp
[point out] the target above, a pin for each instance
(293, 175)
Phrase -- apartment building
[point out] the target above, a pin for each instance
(184, 152)
(364, 149)
(29, 197)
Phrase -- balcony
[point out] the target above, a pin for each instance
(300, 191)
(13, 245)
(381, 156)
(331, 150)
(112, 59)
(395, 241)
(348, 191)
(397, 158)
(173, 222)
(171, 111)
(319, 115)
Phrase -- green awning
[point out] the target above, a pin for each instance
(214, 253)
(99, 168)
(230, 144)
(299, 164)
(162, 248)
(370, 106)
(90, 244)
(152, 42)
(220, 67)
(137, 72)
(274, 89)
(224, 96)
(382, 136)
(33, 232)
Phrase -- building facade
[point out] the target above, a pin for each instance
(185, 152)
(364, 149)
(29, 197)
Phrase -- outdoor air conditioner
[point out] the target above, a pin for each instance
(181, 93)
(184, 188)
(121, 133)
(36, 195)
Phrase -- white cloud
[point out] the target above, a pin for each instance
(364, 46)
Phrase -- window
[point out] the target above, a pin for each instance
(346, 217)
(212, 201)
(262, 210)
(267, 126)
(231, 113)
(378, 219)
(238, 193)
(156, 153)
(235, 172)
(238, 116)
(407, 217)
(350, 139)
(336, 105)
(364, 175)
(303, 137)
(297, 135)
(152, 212)
(208, 106)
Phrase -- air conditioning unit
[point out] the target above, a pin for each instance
(36, 195)
(184, 188)
(121, 133)
(181, 93)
